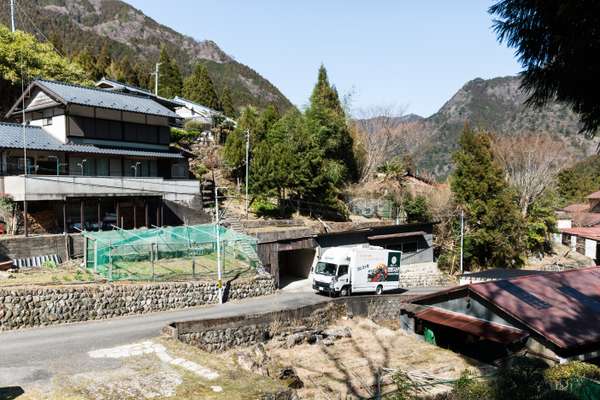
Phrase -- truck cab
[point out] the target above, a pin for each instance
(343, 270)
(331, 273)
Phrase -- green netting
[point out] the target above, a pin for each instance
(169, 252)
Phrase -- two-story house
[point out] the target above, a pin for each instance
(95, 158)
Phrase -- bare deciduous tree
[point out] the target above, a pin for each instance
(532, 163)
(377, 131)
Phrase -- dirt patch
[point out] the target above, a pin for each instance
(349, 368)
(144, 373)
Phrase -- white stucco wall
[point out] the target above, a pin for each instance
(564, 223)
(590, 248)
(58, 128)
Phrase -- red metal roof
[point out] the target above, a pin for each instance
(563, 307)
(488, 330)
(589, 233)
(396, 235)
(577, 207)
(594, 196)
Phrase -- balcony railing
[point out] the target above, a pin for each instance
(53, 187)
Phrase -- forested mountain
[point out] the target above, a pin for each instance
(496, 105)
(81, 29)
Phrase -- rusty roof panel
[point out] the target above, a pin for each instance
(563, 307)
(478, 327)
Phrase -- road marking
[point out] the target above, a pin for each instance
(149, 347)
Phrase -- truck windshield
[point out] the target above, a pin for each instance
(324, 268)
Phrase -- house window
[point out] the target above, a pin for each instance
(47, 121)
(410, 247)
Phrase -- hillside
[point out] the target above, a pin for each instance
(496, 105)
(73, 25)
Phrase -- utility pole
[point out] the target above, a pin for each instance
(247, 166)
(156, 72)
(12, 15)
(462, 238)
(219, 272)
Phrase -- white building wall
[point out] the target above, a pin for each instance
(58, 127)
(590, 248)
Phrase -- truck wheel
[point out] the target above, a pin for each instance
(345, 291)
(379, 290)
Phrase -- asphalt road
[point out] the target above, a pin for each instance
(34, 356)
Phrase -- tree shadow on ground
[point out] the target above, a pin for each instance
(11, 392)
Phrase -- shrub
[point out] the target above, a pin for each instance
(560, 374)
(469, 388)
(521, 379)
(265, 208)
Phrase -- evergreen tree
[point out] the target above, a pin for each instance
(199, 88)
(495, 235)
(267, 119)
(327, 122)
(234, 152)
(553, 41)
(170, 82)
(227, 103)
(102, 62)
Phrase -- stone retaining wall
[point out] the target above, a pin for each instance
(220, 334)
(41, 306)
(423, 275)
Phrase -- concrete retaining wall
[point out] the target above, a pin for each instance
(40, 306)
(12, 247)
(219, 334)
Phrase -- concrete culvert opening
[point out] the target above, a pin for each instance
(294, 268)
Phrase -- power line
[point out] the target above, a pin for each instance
(36, 28)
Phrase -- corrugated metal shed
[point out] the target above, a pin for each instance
(562, 308)
(11, 136)
(477, 327)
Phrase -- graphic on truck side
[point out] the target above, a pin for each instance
(386, 273)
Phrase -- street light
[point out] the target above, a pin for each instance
(81, 165)
(135, 168)
(57, 164)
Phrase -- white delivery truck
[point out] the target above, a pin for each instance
(345, 270)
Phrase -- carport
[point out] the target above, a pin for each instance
(288, 259)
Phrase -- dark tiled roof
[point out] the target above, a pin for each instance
(87, 96)
(123, 87)
(11, 136)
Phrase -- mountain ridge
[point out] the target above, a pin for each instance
(496, 105)
(75, 25)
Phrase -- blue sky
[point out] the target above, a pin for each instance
(407, 54)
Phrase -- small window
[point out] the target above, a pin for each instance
(342, 270)
(47, 121)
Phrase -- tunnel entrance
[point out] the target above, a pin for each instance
(294, 268)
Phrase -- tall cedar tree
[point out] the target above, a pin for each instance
(234, 152)
(326, 120)
(102, 62)
(227, 103)
(554, 40)
(199, 88)
(495, 236)
(170, 82)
